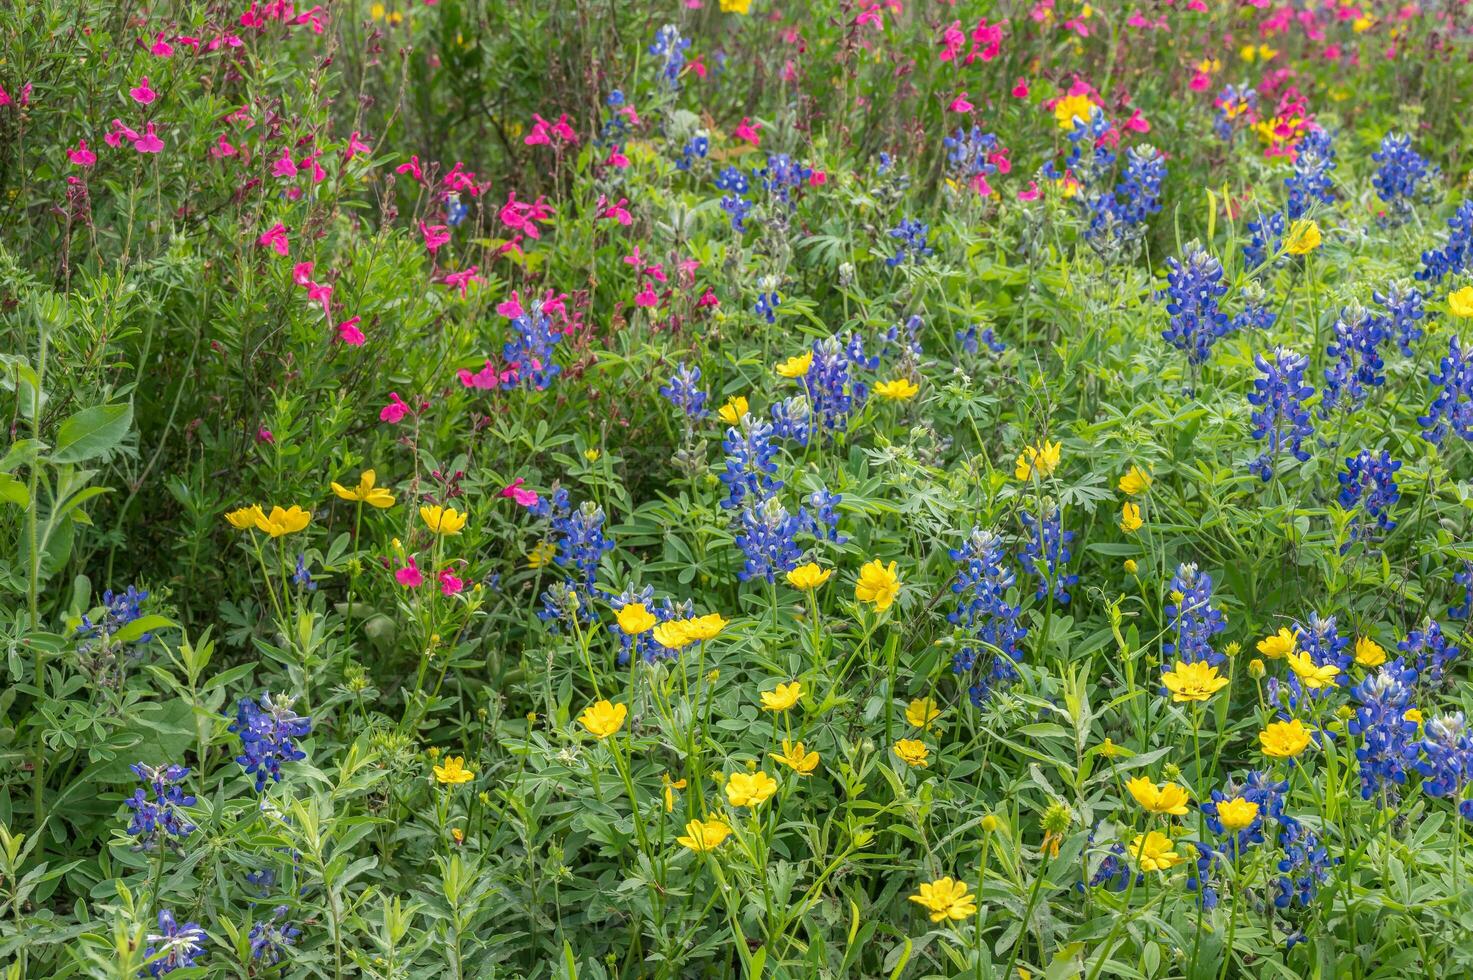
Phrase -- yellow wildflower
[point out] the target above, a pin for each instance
(280, 522)
(1312, 675)
(1042, 459)
(750, 789)
(899, 390)
(246, 517)
(1166, 798)
(731, 413)
(878, 585)
(453, 772)
(921, 712)
(603, 718)
(1130, 518)
(808, 577)
(796, 758)
(912, 752)
(1284, 739)
(783, 697)
(704, 835)
(1236, 814)
(1460, 302)
(1303, 238)
(443, 520)
(634, 618)
(1279, 645)
(1153, 852)
(1369, 653)
(365, 492)
(946, 898)
(796, 367)
(1195, 681)
(1135, 480)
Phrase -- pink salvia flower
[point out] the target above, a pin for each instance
(143, 93)
(434, 236)
(356, 146)
(149, 142)
(960, 104)
(81, 156)
(412, 168)
(274, 238)
(747, 132)
(462, 280)
(409, 576)
(222, 148)
(395, 410)
(450, 584)
(349, 333)
(523, 498)
(284, 167)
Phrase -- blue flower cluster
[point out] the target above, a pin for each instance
(1305, 866)
(1403, 304)
(834, 393)
(975, 337)
(1403, 176)
(1193, 293)
(1279, 414)
(1452, 406)
(981, 586)
(1046, 552)
(270, 938)
(118, 610)
(685, 393)
(178, 944)
(1446, 763)
(751, 454)
(669, 50)
(1311, 181)
(694, 149)
(159, 819)
(1369, 482)
(734, 201)
(581, 544)
(969, 156)
(1431, 652)
(1321, 639)
(910, 234)
(1388, 739)
(530, 349)
(1193, 618)
(1119, 214)
(1457, 254)
(1355, 363)
(767, 534)
(268, 731)
(1463, 577)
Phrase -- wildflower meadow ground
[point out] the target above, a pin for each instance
(736, 488)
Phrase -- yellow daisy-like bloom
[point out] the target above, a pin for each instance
(1130, 518)
(246, 517)
(796, 758)
(1070, 107)
(1279, 645)
(365, 492)
(750, 789)
(946, 898)
(1284, 739)
(1413, 714)
(796, 367)
(1166, 798)
(706, 627)
(603, 718)
(443, 520)
(921, 712)
(913, 752)
(453, 772)
(634, 618)
(1369, 653)
(280, 522)
(1460, 302)
(808, 577)
(731, 413)
(704, 835)
(1153, 852)
(1303, 238)
(783, 697)
(736, 6)
(1042, 459)
(1236, 814)
(673, 635)
(1130, 566)
(1310, 674)
(899, 390)
(1195, 681)
(878, 585)
(1135, 480)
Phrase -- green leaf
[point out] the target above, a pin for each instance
(12, 491)
(91, 433)
(141, 625)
